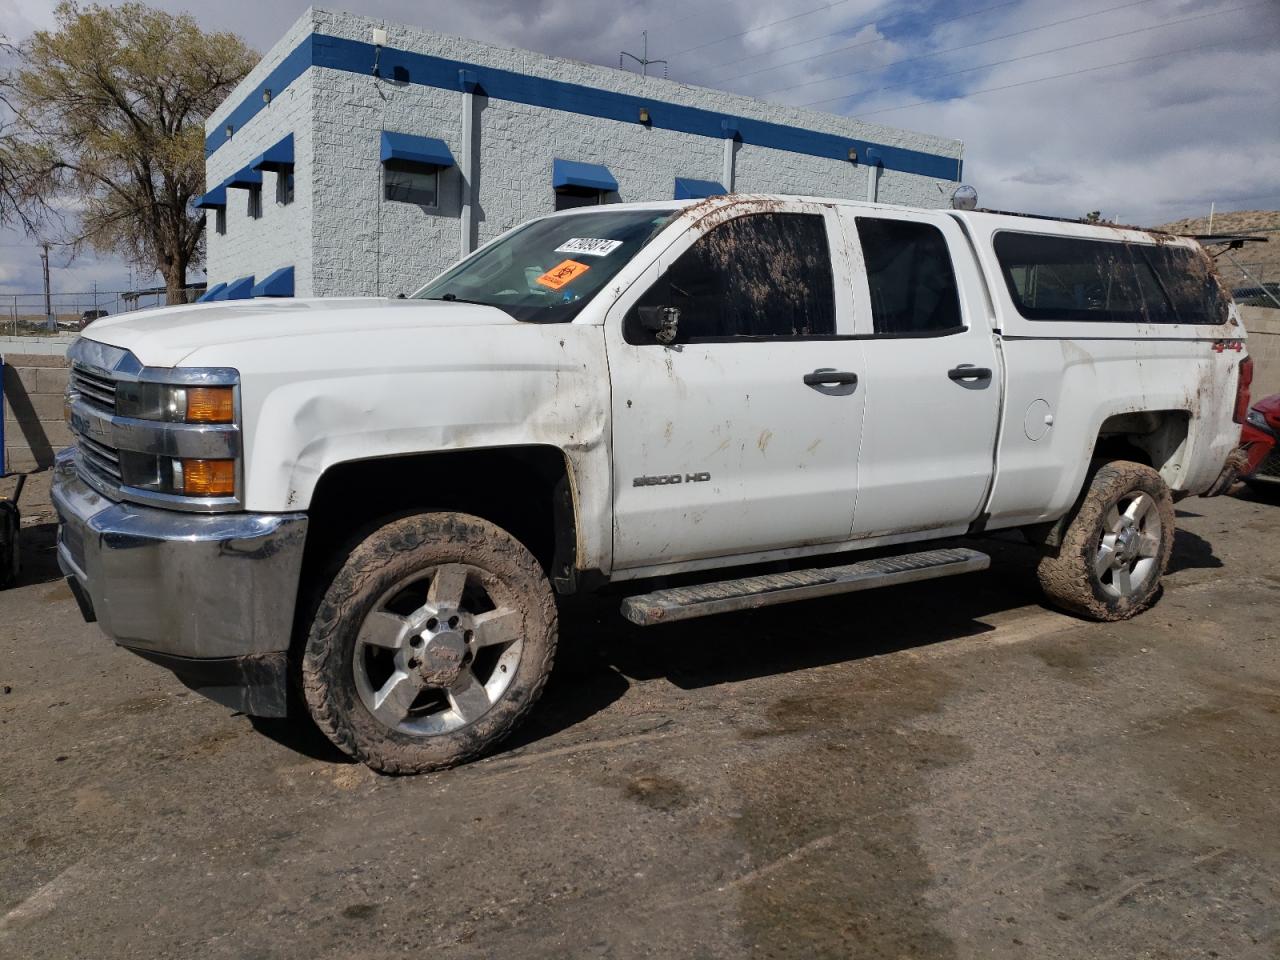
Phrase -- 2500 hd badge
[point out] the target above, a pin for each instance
(671, 478)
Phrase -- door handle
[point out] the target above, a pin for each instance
(967, 372)
(829, 378)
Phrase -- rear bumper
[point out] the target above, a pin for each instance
(209, 595)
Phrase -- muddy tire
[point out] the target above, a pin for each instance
(1116, 545)
(431, 644)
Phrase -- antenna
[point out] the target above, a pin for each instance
(643, 60)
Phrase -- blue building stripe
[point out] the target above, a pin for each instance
(353, 56)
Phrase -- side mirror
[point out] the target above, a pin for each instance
(662, 322)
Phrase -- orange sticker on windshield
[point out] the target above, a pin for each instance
(562, 273)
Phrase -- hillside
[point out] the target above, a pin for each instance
(1260, 259)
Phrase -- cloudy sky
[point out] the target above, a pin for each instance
(1147, 110)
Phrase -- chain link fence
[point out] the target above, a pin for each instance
(23, 314)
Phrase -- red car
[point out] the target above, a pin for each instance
(1258, 441)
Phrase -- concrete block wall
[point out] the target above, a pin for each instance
(1263, 325)
(34, 425)
(343, 239)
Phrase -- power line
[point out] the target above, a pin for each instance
(1041, 53)
(965, 46)
(1056, 76)
(855, 46)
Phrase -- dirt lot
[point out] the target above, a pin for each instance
(940, 770)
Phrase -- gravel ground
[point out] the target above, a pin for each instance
(940, 770)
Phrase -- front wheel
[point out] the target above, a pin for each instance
(431, 644)
(1116, 546)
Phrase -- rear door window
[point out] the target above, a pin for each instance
(911, 278)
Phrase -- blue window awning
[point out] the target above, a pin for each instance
(215, 199)
(278, 284)
(213, 293)
(278, 158)
(407, 148)
(245, 178)
(587, 176)
(240, 288)
(690, 189)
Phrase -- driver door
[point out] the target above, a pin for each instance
(741, 435)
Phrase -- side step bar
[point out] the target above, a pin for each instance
(748, 593)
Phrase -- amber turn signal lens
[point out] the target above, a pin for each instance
(209, 478)
(210, 405)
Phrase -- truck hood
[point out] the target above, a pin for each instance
(164, 337)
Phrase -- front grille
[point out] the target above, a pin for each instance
(97, 389)
(1270, 467)
(101, 459)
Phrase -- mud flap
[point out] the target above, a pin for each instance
(1230, 473)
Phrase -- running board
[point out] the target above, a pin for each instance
(748, 593)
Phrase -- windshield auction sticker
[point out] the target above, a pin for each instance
(562, 273)
(590, 246)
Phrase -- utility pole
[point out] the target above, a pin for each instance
(49, 320)
(643, 60)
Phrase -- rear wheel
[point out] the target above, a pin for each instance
(431, 644)
(1116, 546)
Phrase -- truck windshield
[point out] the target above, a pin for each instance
(548, 270)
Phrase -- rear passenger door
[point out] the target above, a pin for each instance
(932, 378)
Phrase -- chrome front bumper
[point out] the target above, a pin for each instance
(192, 591)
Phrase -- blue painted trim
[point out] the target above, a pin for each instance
(215, 199)
(245, 178)
(289, 69)
(589, 176)
(689, 189)
(213, 293)
(278, 158)
(278, 284)
(408, 148)
(240, 288)
(353, 56)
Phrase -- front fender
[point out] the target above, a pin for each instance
(428, 391)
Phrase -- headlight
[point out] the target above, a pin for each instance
(1258, 420)
(176, 404)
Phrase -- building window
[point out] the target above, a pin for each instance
(567, 198)
(220, 220)
(284, 188)
(255, 202)
(579, 184)
(410, 183)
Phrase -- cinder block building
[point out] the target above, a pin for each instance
(362, 157)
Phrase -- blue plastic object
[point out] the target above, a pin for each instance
(589, 176)
(278, 284)
(689, 189)
(278, 158)
(239, 289)
(408, 148)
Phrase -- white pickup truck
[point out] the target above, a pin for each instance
(364, 509)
